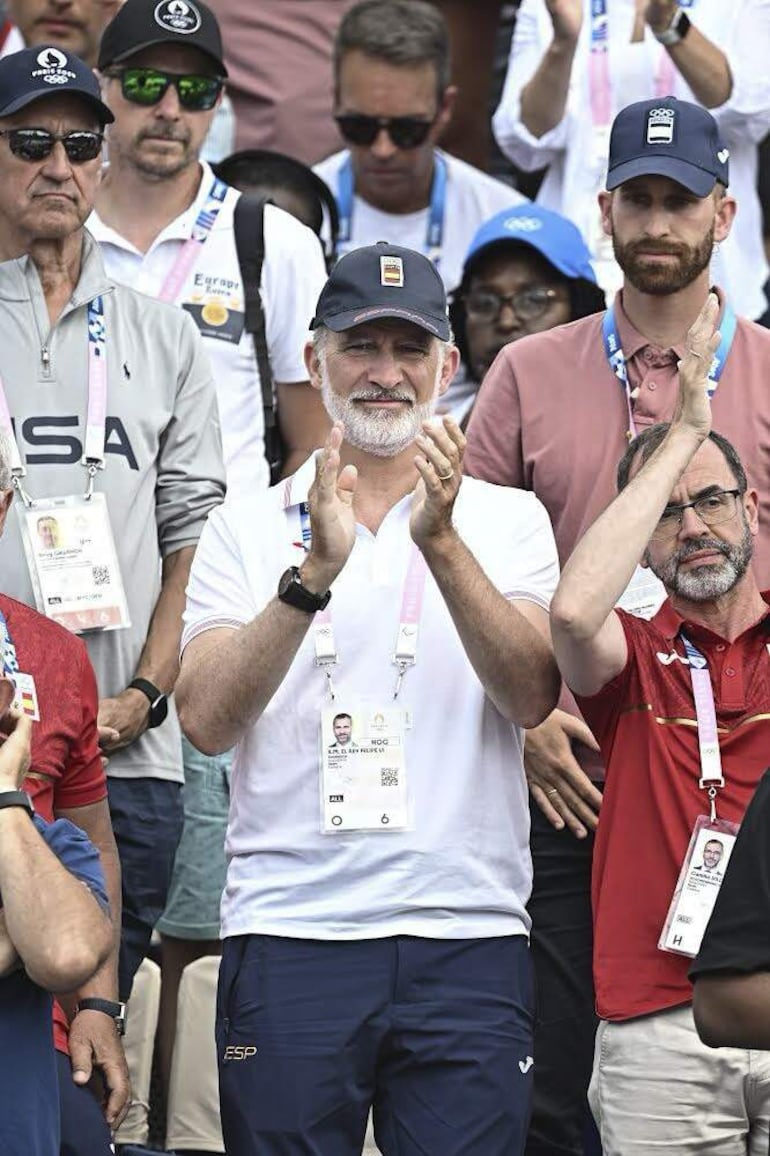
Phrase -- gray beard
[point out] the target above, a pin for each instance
(704, 583)
(382, 434)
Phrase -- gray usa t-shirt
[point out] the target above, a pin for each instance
(163, 462)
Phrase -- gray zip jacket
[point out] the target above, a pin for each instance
(164, 469)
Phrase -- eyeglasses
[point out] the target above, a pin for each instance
(406, 132)
(35, 144)
(527, 304)
(148, 86)
(713, 509)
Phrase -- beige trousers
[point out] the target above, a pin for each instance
(656, 1089)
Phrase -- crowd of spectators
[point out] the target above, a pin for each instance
(384, 499)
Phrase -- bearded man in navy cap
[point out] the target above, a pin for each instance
(374, 921)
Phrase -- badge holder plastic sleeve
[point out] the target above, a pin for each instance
(675, 915)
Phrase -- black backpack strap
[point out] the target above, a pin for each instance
(249, 228)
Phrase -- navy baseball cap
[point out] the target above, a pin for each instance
(43, 71)
(379, 281)
(668, 138)
(553, 236)
(141, 24)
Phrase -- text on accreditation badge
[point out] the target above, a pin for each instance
(363, 769)
(700, 879)
(73, 563)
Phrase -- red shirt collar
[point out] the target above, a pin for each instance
(670, 623)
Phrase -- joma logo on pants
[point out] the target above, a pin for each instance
(237, 1052)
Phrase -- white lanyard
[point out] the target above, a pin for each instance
(96, 413)
(204, 223)
(711, 775)
(405, 653)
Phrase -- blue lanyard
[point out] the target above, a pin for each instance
(10, 661)
(616, 358)
(435, 234)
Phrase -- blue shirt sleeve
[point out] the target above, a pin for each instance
(76, 852)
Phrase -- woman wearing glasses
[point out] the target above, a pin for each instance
(527, 270)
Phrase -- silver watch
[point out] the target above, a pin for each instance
(676, 31)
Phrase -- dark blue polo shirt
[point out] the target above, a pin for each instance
(29, 1114)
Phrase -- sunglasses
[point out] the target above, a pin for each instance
(148, 86)
(406, 132)
(35, 144)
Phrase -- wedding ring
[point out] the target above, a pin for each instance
(445, 477)
(553, 791)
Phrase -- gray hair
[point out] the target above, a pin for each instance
(651, 439)
(400, 32)
(321, 342)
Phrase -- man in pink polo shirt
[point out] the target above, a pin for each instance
(554, 415)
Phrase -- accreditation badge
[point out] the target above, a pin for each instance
(25, 697)
(697, 887)
(73, 563)
(363, 769)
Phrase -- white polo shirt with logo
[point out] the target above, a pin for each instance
(293, 275)
(464, 869)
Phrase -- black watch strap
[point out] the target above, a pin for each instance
(17, 799)
(110, 1007)
(158, 700)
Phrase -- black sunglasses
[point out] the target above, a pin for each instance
(148, 86)
(406, 132)
(35, 144)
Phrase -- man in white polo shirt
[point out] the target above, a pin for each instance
(374, 918)
(163, 76)
(393, 99)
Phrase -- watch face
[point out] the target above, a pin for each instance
(286, 580)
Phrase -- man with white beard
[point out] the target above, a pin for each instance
(374, 921)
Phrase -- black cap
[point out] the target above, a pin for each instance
(43, 71)
(142, 23)
(383, 280)
(667, 138)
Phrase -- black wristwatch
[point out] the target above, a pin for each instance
(291, 590)
(158, 701)
(676, 31)
(17, 799)
(111, 1007)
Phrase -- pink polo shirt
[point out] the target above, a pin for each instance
(551, 417)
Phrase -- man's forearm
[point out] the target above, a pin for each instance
(9, 956)
(704, 67)
(159, 660)
(513, 661)
(603, 562)
(733, 1010)
(62, 936)
(223, 689)
(544, 97)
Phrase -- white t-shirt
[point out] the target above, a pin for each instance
(740, 28)
(464, 870)
(293, 275)
(472, 197)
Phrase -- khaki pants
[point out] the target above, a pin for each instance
(656, 1089)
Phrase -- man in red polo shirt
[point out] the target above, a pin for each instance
(680, 706)
(56, 687)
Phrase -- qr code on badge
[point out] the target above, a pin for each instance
(389, 777)
(100, 575)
